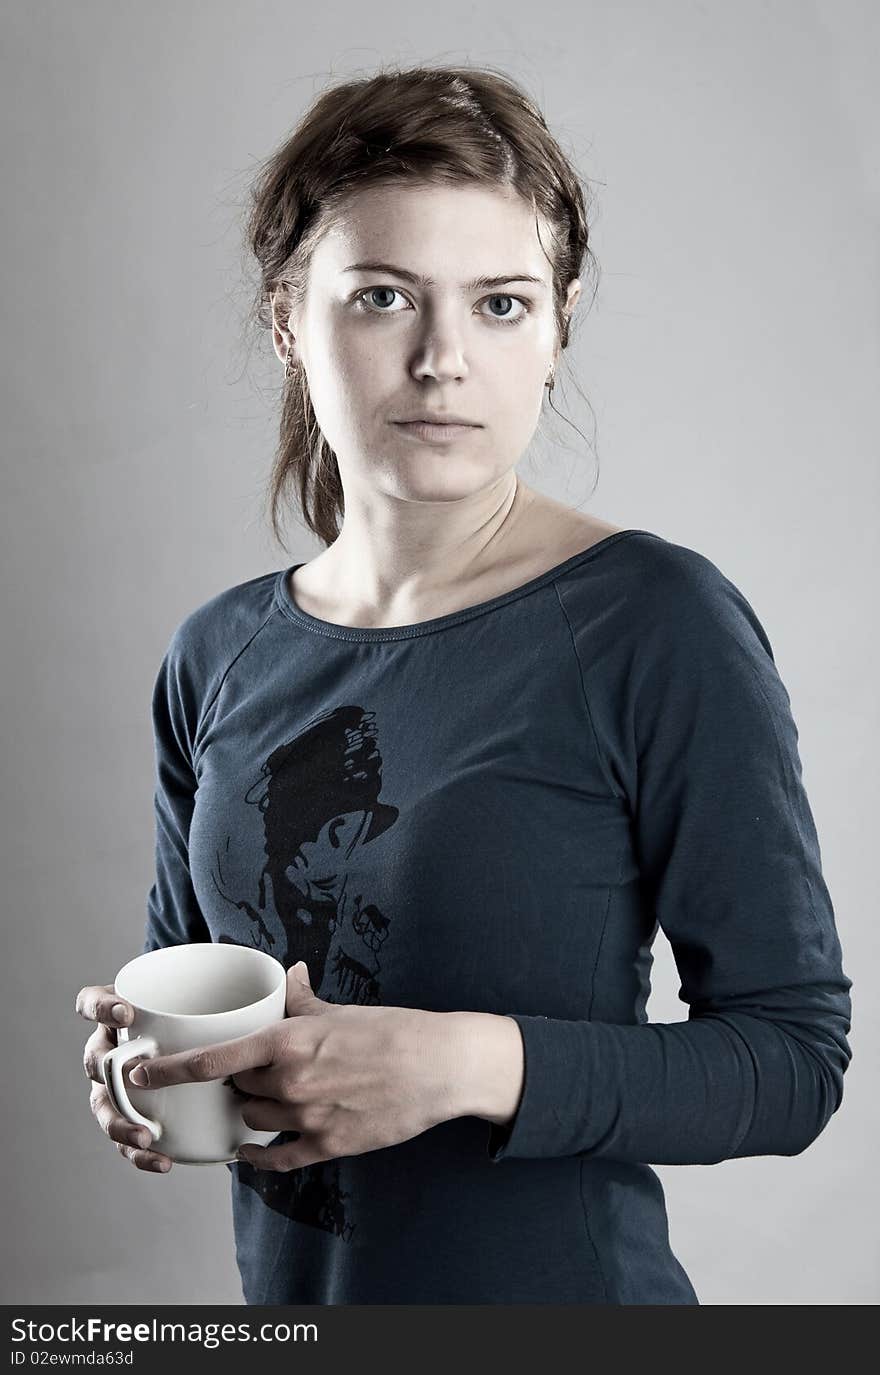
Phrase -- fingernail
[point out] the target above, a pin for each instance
(120, 1012)
(241, 1154)
(139, 1076)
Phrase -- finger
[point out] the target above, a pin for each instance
(268, 1115)
(117, 1127)
(263, 1081)
(97, 1002)
(95, 1048)
(216, 1061)
(131, 1139)
(290, 1155)
(146, 1160)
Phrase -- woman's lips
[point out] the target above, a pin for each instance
(434, 434)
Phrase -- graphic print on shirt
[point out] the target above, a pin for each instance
(319, 798)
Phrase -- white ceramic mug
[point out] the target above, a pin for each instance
(184, 997)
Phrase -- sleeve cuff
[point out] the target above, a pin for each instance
(526, 1134)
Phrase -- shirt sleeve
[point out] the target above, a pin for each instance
(173, 913)
(729, 861)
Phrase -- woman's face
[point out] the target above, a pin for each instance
(379, 347)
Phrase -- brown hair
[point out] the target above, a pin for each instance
(436, 124)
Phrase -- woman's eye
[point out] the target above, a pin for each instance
(378, 291)
(379, 309)
(510, 319)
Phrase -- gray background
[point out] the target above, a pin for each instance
(731, 363)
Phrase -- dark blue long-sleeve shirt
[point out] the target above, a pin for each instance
(494, 810)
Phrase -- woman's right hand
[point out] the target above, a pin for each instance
(95, 1002)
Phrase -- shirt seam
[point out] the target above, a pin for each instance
(209, 705)
(589, 1233)
(601, 940)
(603, 764)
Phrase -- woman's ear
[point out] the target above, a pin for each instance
(282, 323)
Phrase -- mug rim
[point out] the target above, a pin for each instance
(194, 1016)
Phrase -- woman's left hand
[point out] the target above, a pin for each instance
(348, 1078)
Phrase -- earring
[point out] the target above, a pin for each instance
(289, 362)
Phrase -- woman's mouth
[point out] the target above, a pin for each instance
(434, 433)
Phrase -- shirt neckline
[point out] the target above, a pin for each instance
(375, 634)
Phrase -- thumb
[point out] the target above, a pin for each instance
(301, 970)
(301, 999)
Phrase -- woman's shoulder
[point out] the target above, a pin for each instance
(652, 593)
(214, 631)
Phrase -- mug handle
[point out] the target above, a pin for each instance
(112, 1065)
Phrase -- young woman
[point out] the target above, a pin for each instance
(456, 770)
